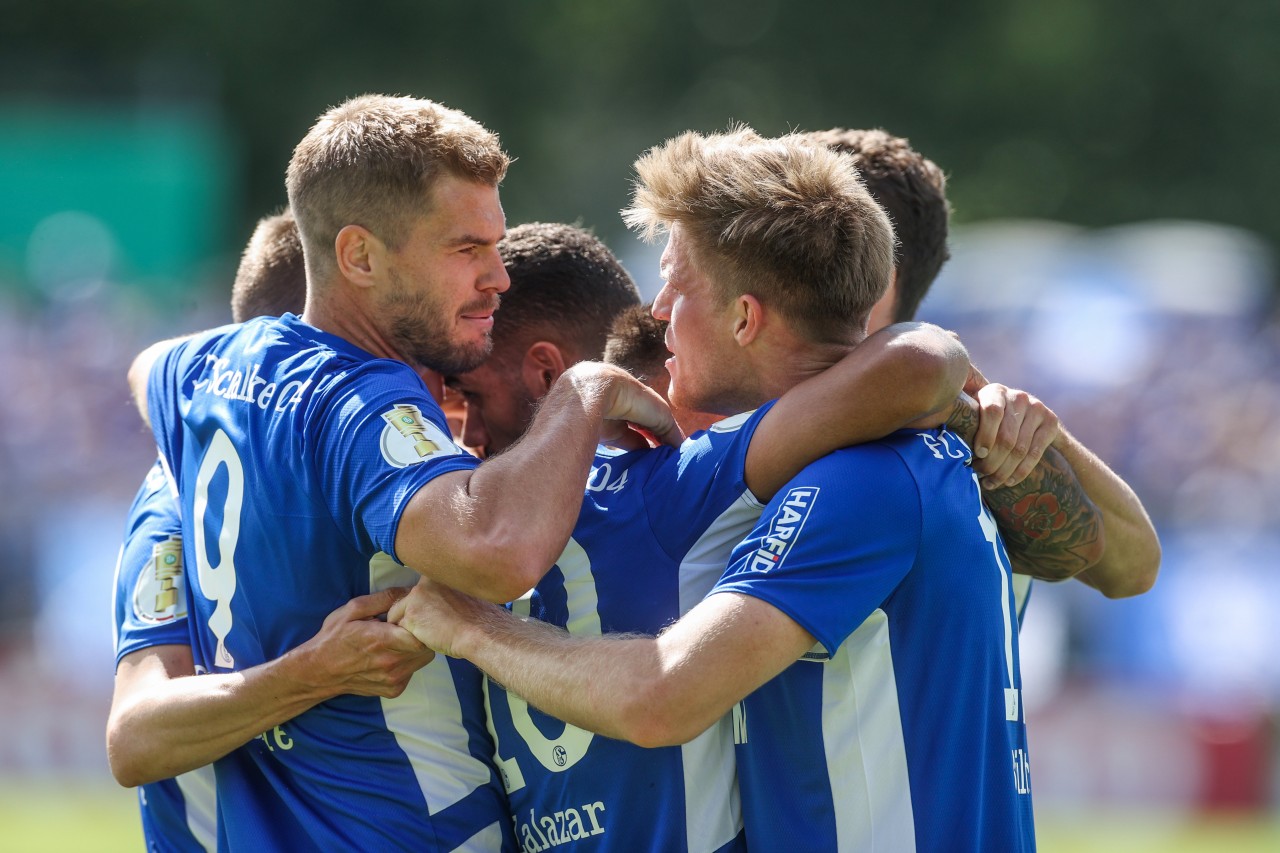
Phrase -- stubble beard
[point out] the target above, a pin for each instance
(420, 330)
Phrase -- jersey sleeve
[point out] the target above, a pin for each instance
(150, 599)
(833, 543)
(709, 475)
(375, 437)
(164, 393)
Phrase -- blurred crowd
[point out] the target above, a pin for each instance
(1181, 400)
(71, 443)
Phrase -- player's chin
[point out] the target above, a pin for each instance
(473, 349)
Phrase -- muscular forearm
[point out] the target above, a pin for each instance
(1050, 527)
(167, 720)
(895, 377)
(161, 726)
(652, 691)
(1131, 559)
(495, 532)
(594, 683)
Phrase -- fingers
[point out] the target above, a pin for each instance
(394, 638)
(640, 405)
(668, 434)
(1027, 429)
(991, 414)
(1038, 446)
(975, 381)
(396, 614)
(367, 606)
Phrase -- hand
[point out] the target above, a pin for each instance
(436, 615)
(632, 404)
(1014, 431)
(355, 652)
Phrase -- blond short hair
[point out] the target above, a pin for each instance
(783, 219)
(373, 160)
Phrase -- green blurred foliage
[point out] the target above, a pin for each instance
(1080, 110)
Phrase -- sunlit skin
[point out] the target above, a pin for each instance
(429, 301)
(498, 405)
(446, 278)
(695, 313)
(685, 292)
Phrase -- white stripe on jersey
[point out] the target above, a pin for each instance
(427, 723)
(864, 746)
(706, 560)
(200, 795)
(485, 841)
(710, 769)
(711, 799)
(426, 719)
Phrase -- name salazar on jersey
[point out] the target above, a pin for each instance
(409, 438)
(784, 529)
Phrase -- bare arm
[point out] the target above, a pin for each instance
(166, 720)
(1050, 526)
(894, 377)
(140, 372)
(652, 691)
(493, 532)
(1107, 532)
(1131, 559)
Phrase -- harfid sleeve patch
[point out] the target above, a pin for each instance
(784, 529)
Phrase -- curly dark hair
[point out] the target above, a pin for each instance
(566, 287)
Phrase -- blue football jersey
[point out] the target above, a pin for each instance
(151, 610)
(654, 534)
(294, 453)
(903, 727)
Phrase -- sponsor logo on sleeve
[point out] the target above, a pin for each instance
(784, 529)
(158, 596)
(409, 438)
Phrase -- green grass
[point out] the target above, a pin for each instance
(60, 817)
(1092, 832)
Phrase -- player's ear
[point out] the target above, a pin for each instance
(748, 319)
(543, 363)
(359, 255)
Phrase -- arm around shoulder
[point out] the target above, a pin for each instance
(1130, 561)
(494, 531)
(140, 372)
(891, 380)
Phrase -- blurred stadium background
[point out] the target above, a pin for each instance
(1114, 174)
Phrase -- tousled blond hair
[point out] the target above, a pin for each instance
(783, 219)
(373, 160)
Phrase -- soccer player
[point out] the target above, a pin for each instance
(150, 609)
(313, 467)
(155, 707)
(912, 190)
(775, 258)
(637, 344)
(564, 784)
(566, 288)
